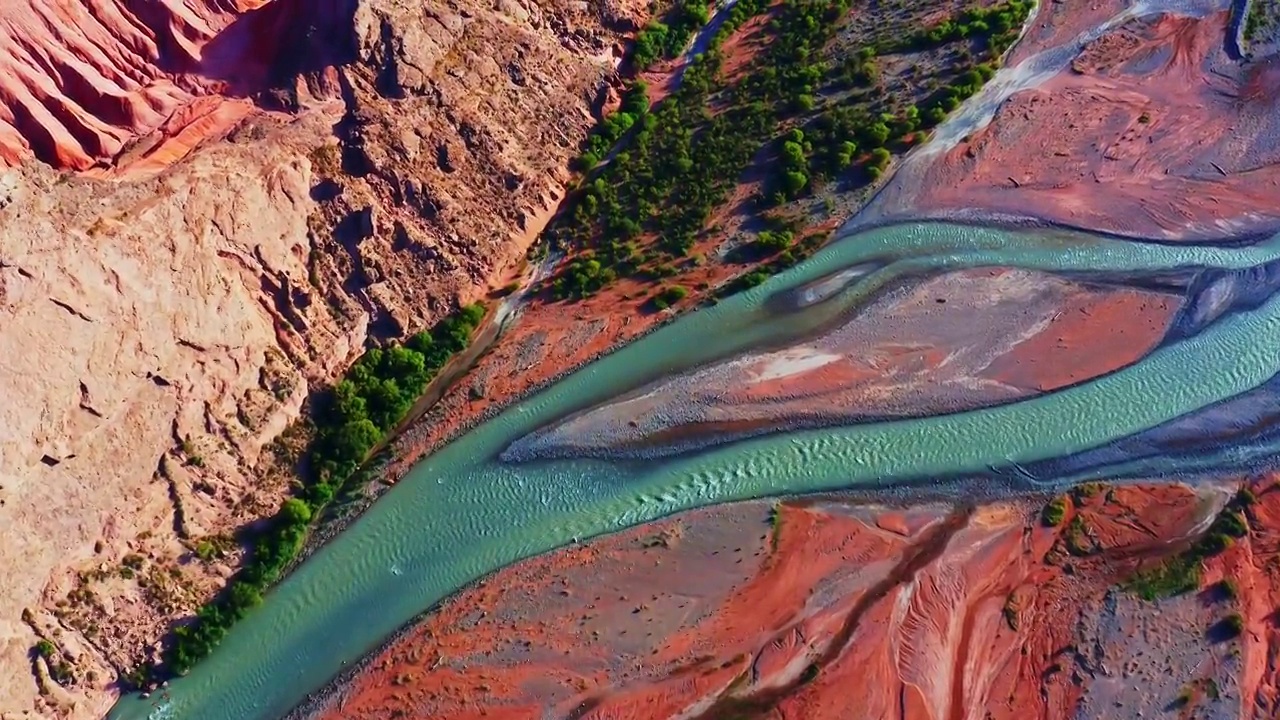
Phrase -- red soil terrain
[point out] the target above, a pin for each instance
(952, 342)
(1151, 131)
(120, 83)
(838, 610)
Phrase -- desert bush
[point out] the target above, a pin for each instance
(1054, 512)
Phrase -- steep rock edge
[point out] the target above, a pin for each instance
(165, 326)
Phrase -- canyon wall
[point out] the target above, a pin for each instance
(207, 208)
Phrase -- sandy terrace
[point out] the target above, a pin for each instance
(947, 343)
(1152, 131)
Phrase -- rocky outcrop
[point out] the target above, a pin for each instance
(260, 187)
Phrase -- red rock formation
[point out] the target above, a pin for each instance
(81, 81)
(232, 261)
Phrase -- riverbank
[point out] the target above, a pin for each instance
(545, 347)
(916, 346)
(426, 540)
(1097, 127)
(755, 605)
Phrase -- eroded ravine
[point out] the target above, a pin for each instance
(928, 548)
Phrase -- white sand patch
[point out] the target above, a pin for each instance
(792, 361)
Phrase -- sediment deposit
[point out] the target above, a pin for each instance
(1151, 130)
(947, 343)
(930, 611)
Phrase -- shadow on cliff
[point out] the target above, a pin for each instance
(263, 53)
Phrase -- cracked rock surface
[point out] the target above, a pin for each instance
(197, 228)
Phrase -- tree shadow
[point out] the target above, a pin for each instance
(1226, 629)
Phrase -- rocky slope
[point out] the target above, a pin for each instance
(207, 207)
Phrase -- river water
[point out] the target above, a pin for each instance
(462, 513)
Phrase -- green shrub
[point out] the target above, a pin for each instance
(1245, 498)
(1231, 523)
(876, 135)
(1229, 589)
(295, 512)
(1078, 541)
(1054, 512)
(669, 296)
(1214, 543)
(206, 551)
(1175, 576)
(45, 649)
(794, 183)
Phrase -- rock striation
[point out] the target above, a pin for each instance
(207, 207)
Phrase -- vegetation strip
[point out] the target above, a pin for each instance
(669, 37)
(1263, 16)
(350, 419)
(677, 163)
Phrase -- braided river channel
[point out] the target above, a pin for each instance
(1199, 402)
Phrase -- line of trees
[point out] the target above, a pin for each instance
(683, 159)
(832, 141)
(635, 105)
(993, 28)
(666, 38)
(1262, 15)
(350, 419)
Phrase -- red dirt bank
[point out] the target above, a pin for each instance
(928, 612)
(1151, 131)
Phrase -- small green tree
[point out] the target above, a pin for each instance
(295, 512)
(794, 183)
(876, 134)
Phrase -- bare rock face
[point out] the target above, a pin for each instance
(466, 176)
(259, 187)
(158, 336)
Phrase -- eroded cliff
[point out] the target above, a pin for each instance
(207, 208)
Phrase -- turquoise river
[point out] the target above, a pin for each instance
(462, 513)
